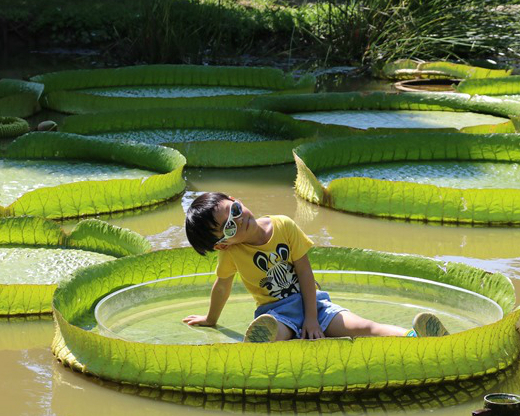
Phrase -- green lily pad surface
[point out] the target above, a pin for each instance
(59, 175)
(460, 174)
(279, 367)
(400, 119)
(185, 136)
(36, 255)
(445, 177)
(153, 312)
(166, 91)
(21, 176)
(44, 265)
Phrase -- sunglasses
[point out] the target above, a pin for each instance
(231, 227)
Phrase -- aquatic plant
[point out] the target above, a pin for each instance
(84, 91)
(409, 199)
(19, 98)
(495, 86)
(422, 101)
(163, 180)
(410, 69)
(12, 127)
(282, 367)
(36, 254)
(206, 137)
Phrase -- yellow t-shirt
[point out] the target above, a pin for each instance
(267, 270)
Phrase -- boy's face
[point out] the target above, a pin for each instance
(245, 223)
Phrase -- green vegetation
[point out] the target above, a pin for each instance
(280, 367)
(412, 200)
(173, 31)
(36, 255)
(76, 199)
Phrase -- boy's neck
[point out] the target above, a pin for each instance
(264, 231)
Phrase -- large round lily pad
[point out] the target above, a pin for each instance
(57, 175)
(418, 176)
(332, 107)
(36, 255)
(207, 137)
(154, 86)
(19, 98)
(288, 367)
(410, 69)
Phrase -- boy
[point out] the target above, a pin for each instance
(270, 253)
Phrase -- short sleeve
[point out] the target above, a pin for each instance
(226, 266)
(299, 242)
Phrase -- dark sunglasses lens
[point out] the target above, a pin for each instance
(236, 210)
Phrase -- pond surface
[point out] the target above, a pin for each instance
(460, 174)
(32, 383)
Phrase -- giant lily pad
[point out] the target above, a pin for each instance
(153, 86)
(411, 176)
(410, 103)
(281, 367)
(207, 137)
(19, 98)
(36, 180)
(495, 86)
(410, 69)
(36, 255)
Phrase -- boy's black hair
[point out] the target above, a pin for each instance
(201, 223)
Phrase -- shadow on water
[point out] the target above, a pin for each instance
(463, 394)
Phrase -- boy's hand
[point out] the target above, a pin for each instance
(311, 329)
(198, 320)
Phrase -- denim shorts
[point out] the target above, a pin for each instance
(290, 311)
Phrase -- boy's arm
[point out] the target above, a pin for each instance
(219, 296)
(311, 327)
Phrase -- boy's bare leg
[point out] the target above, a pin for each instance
(284, 332)
(348, 324)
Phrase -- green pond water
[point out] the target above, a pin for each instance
(461, 175)
(21, 176)
(400, 119)
(161, 136)
(35, 384)
(32, 383)
(44, 265)
(172, 91)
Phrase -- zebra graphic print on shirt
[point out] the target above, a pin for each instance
(281, 280)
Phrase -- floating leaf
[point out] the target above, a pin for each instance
(493, 86)
(410, 200)
(281, 367)
(36, 254)
(94, 197)
(19, 98)
(67, 91)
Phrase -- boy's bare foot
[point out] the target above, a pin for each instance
(428, 325)
(262, 329)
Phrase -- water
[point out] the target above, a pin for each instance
(32, 383)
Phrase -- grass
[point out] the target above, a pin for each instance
(332, 31)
